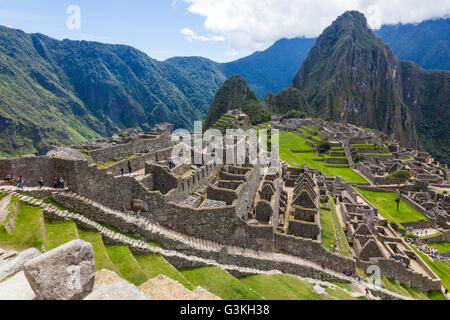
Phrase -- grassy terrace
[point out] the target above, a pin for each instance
(59, 232)
(27, 232)
(441, 269)
(333, 237)
(387, 207)
(220, 283)
(286, 287)
(291, 141)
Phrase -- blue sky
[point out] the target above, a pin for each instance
(222, 30)
(151, 26)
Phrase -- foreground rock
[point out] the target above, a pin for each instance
(119, 290)
(16, 288)
(65, 273)
(16, 263)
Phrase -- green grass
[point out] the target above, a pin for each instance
(27, 232)
(441, 269)
(154, 265)
(291, 141)
(327, 235)
(220, 283)
(102, 260)
(58, 233)
(406, 159)
(126, 264)
(415, 293)
(287, 287)
(387, 207)
(440, 246)
(344, 247)
(105, 164)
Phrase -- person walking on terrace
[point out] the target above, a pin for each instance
(41, 182)
(61, 182)
(20, 183)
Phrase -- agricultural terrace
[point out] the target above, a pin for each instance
(387, 207)
(291, 141)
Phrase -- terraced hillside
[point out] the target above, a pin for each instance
(49, 226)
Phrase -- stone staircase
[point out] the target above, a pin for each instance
(177, 259)
(202, 252)
(203, 247)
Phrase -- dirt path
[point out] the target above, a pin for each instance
(3, 204)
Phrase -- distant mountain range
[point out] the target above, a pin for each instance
(350, 75)
(60, 92)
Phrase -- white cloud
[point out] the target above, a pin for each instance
(191, 36)
(256, 24)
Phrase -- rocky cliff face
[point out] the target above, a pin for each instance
(352, 76)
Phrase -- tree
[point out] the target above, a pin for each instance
(324, 147)
(400, 176)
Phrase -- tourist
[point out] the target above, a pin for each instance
(129, 167)
(446, 291)
(138, 214)
(367, 291)
(323, 265)
(41, 182)
(20, 183)
(61, 182)
(55, 182)
(122, 171)
(243, 246)
(169, 226)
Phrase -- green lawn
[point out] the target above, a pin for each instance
(27, 232)
(327, 234)
(220, 283)
(415, 293)
(286, 287)
(58, 233)
(441, 269)
(387, 207)
(102, 260)
(126, 264)
(154, 265)
(291, 141)
(344, 247)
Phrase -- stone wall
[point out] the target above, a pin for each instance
(396, 270)
(303, 229)
(140, 145)
(32, 168)
(313, 251)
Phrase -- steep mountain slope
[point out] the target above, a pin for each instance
(287, 100)
(62, 92)
(350, 75)
(427, 43)
(233, 92)
(273, 69)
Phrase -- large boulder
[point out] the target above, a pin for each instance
(65, 273)
(15, 264)
(119, 290)
(66, 152)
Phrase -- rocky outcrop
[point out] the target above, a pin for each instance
(120, 290)
(65, 273)
(352, 76)
(11, 266)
